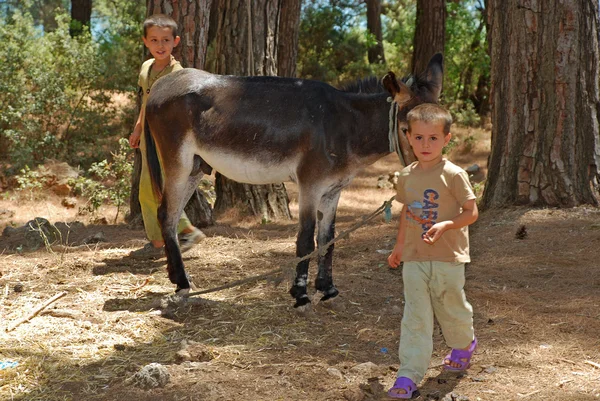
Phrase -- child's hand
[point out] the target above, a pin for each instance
(395, 258)
(435, 233)
(134, 139)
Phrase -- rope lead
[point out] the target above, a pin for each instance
(290, 267)
(393, 130)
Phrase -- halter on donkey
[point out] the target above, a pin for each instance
(262, 130)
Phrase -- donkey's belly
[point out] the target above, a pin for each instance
(240, 168)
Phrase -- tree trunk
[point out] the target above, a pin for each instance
(81, 15)
(246, 44)
(287, 39)
(545, 104)
(430, 32)
(376, 54)
(192, 19)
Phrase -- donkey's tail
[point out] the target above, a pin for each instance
(153, 162)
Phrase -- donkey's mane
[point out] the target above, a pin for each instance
(366, 85)
(372, 84)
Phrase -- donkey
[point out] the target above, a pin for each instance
(262, 130)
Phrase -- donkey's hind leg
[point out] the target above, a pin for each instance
(326, 232)
(181, 179)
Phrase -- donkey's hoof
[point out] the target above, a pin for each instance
(298, 291)
(332, 292)
(323, 284)
(182, 291)
(305, 310)
(302, 301)
(191, 282)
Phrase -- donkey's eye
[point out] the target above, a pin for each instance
(404, 130)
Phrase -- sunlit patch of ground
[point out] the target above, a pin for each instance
(536, 302)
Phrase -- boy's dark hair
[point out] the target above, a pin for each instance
(162, 21)
(430, 113)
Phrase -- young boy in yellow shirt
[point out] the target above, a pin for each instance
(160, 37)
(433, 242)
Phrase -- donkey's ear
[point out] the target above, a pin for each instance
(390, 83)
(435, 74)
(398, 89)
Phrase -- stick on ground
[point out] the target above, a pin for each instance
(594, 364)
(36, 311)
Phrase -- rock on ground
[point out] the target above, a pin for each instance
(151, 376)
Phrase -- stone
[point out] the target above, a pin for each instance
(61, 189)
(151, 376)
(96, 238)
(473, 169)
(40, 232)
(354, 395)
(367, 369)
(69, 203)
(335, 373)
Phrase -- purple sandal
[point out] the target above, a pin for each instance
(457, 356)
(404, 383)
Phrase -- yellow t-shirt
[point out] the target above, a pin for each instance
(147, 78)
(433, 196)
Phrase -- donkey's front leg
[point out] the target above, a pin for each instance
(305, 244)
(326, 218)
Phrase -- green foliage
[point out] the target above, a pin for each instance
(464, 113)
(466, 53)
(53, 88)
(107, 181)
(43, 12)
(330, 46)
(334, 40)
(469, 144)
(398, 23)
(30, 181)
(119, 27)
(478, 188)
(453, 143)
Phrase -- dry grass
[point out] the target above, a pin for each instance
(536, 304)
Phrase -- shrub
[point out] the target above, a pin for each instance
(52, 86)
(107, 181)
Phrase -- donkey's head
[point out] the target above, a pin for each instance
(412, 91)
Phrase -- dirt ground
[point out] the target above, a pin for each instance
(536, 303)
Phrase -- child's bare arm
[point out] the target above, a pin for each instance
(396, 256)
(467, 217)
(134, 138)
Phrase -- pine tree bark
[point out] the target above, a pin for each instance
(192, 19)
(287, 39)
(430, 32)
(246, 44)
(545, 104)
(376, 54)
(81, 15)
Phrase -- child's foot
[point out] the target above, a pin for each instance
(460, 359)
(403, 388)
(149, 251)
(188, 240)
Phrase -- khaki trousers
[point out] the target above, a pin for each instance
(149, 203)
(432, 288)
